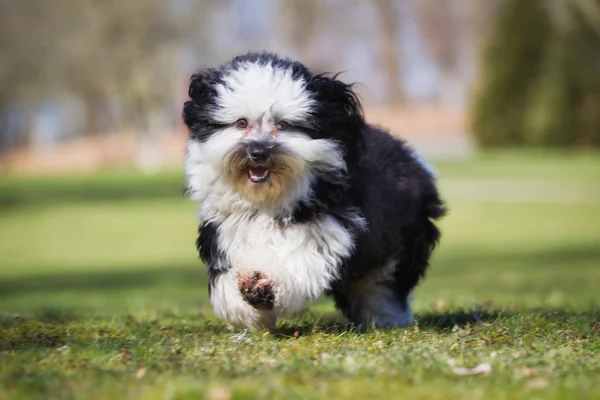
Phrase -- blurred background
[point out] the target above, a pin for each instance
(502, 96)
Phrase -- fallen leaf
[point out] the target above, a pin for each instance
(140, 373)
(219, 393)
(440, 304)
(528, 372)
(538, 383)
(481, 369)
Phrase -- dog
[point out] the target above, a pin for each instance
(299, 197)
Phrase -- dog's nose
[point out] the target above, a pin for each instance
(258, 154)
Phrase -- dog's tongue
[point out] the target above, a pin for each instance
(258, 173)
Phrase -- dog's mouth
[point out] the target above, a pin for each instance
(258, 174)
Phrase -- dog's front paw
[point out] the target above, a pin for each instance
(257, 290)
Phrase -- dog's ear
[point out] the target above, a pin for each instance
(335, 95)
(203, 94)
(338, 114)
(202, 86)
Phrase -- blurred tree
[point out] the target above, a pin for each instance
(105, 53)
(540, 83)
(548, 120)
(511, 62)
(300, 20)
(440, 31)
(565, 109)
(23, 68)
(388, 49)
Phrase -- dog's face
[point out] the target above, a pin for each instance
(267, 127)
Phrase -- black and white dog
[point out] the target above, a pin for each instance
(299, 197)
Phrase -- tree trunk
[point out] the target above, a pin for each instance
(96, 116)
(389, 54)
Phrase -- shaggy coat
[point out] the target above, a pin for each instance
(300, 197)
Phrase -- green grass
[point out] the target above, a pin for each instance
(102, 296)
(538, 164)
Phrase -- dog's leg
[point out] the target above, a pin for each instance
(250, 310)
(257, 290)
(383, 296)
(375, 300)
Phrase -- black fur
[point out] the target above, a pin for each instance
(207, 244)
(399, 200)
(384, 184)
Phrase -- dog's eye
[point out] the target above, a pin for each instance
(241, 123)
(281, 125)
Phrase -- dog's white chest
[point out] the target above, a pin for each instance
(303, 259)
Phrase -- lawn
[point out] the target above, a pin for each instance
(102, 296)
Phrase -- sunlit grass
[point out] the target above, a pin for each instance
(102, 296)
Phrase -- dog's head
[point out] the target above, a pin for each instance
(267, 128)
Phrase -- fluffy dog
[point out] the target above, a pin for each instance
(300, 197)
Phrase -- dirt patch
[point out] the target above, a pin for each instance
(429, 129)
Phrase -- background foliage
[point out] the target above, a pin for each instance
(540, 79)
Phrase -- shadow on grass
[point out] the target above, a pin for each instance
(181, 276)
(187, 277)
(84, 330)
(441, 322)
(330, 323)
(334, 323)
(193, 275)
(543, 258)
(444, 321)
(97, 188)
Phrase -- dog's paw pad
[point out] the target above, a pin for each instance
(257, 290)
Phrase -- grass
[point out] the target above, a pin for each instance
(102, 296)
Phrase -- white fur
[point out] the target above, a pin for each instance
(374, 302)
(261, 94)
(205, 165)
(302, 259)
(254, 89)
(229, 305)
